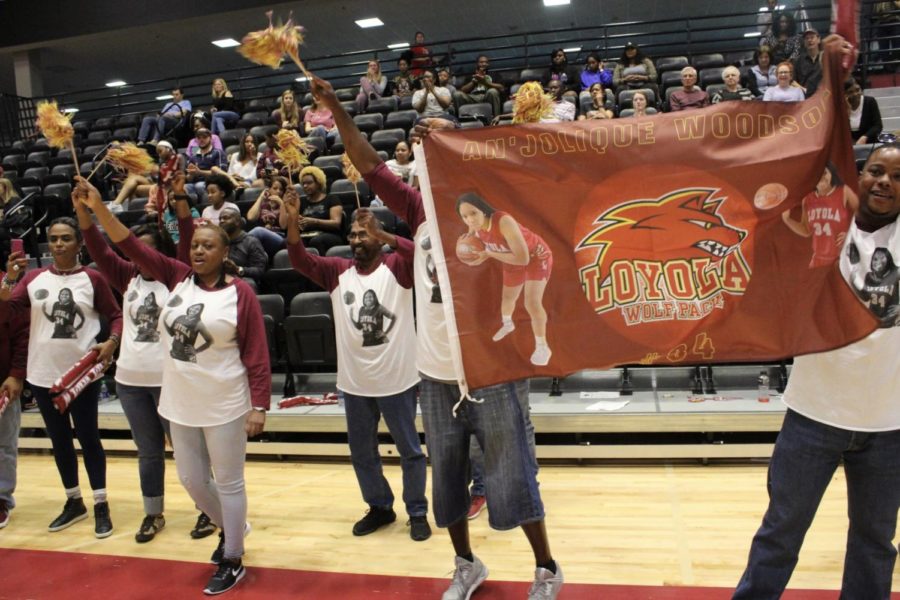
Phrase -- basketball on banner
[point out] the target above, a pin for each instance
(671, 251)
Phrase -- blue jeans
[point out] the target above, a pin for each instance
(510, 484)
(148, 430)
(197, 189)
(156, 127)
(320, 131)
(476, 456)
(223, 118)
(806, 455)
(399, 412)
(271, 241)
(82, 413)
(9, 448)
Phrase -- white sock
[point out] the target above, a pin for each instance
(540, 341)
(74, 492)
(507, 320)
(99, 496)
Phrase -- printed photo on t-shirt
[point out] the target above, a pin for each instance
(63, 315)
(185, 330)
(145, 318)
(371, 318)
(879, 287)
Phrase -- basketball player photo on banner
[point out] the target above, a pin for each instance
(710, 235)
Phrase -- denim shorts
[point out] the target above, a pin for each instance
(510, 480)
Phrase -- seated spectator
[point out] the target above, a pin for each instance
(639, 105)
(402, 164)
(266, 213)
(808, 65)
(288, 114)
(322, 216)
(201, 163)
(138, 186)
(242, 165)
(594, 73)
(598, 108)
(168, 218)
(319, 121)
(762, 73)
(865, 116)
(764, 19)
(11, 225)
(243, 250)
(219, 190)
(445, 80)
(198, 122)
(634, 71)
(403, 84)
(421, 56)
(785, 91)
(224, 107)
(563, 110)
(269, 164)
(783, 40)
(372, 86)
(733, 90)
(561, 71)
(172, 114)
(431, 100)
(689, 96)
(480, 88)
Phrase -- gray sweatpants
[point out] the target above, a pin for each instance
(224, 449)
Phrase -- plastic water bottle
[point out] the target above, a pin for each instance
(104, 391)
(763, 395)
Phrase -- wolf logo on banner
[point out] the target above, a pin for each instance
(703, 260)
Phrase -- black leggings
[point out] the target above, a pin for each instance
(83, 411)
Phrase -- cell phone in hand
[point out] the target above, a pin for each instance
(17, 245)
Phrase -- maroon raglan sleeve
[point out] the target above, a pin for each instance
(162, 268)
(19, 302)
(19, 331)
(323, 270)
(251, 333)
(403, 200)
(105, 302)
(401, 262)
(118, 271)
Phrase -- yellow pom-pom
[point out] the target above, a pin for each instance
(54, 125)
(531, 103)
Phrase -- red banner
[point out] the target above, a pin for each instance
(670, 239)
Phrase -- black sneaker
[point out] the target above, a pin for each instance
(203, 528)
(150, 526)
(419, 529)
(4, 514)
(73, 511)
(375, 519)
(226, 577)
(103, 526)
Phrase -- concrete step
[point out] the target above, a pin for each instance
(888, 102)
(891, 123)
(883, 92)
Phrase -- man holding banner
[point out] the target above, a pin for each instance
(493, 414)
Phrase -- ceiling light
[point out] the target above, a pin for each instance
(556, 2)
(302, 79)
(69, 111)
(752, 34)
(575, 49)
(165, 97)
(398, 45)
(226, 43)
(372, 22)
(116, 83)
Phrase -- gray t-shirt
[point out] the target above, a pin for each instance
(433, 108)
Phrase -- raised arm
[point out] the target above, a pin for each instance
(116, 269)
(363, 155)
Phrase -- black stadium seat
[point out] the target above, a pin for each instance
(387, 139)
(671, 63)
(533, 75)
(382, 105)
(482, 112)
(708, 61)
(401, 119)
(369, 122)
(709, 76)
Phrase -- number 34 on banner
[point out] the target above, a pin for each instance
(702, 348)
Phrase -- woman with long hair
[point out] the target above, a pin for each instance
(242, 165)
(266, 212)
(288, 113)
(216, 394)
(66, 302)
(784, 41)
(527, 263)
(224, 107)
(762, 73)
(319, 121)
(559, 70)
(372, 86)
(635, 71)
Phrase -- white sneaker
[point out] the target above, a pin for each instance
(541, 355)
(546, 584)
(466, 579)
(505, 330)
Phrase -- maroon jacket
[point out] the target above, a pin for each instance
(13, 342)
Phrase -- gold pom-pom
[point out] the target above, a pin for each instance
(532, 103)
(350, 170)
(292, 150)
(268, 46)
(129, 158)
(54, 125)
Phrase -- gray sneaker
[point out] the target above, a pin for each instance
(546, 584)
(466, 579)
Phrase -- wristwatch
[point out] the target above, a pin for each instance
(240, 271)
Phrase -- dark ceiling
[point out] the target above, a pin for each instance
(83, 44)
